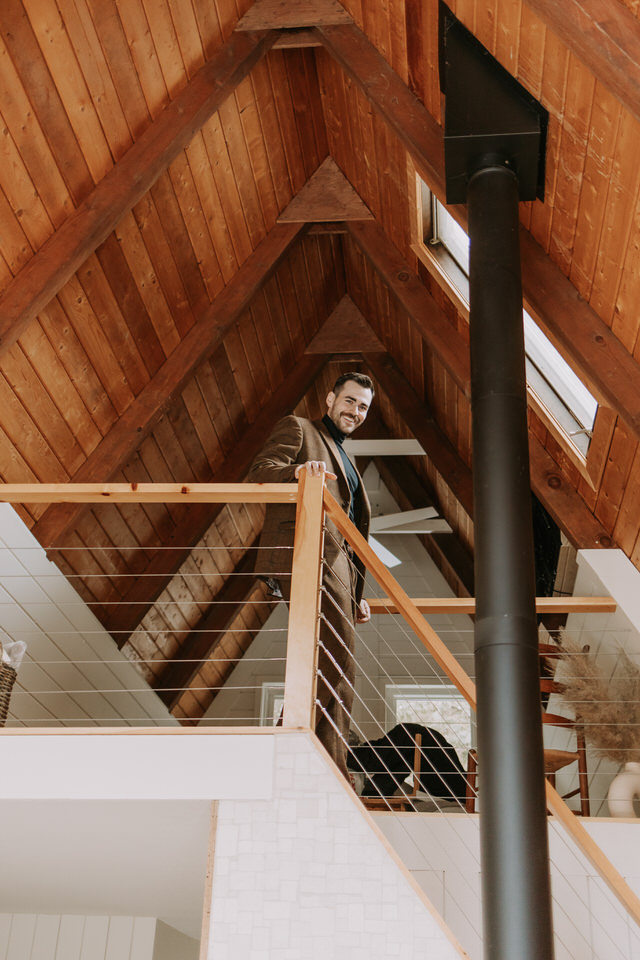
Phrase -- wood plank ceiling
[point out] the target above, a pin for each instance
(171, 274)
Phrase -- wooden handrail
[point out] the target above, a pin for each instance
(148, 492)
(408, 609)
(467, 605)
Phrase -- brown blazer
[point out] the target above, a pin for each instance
(295, 440)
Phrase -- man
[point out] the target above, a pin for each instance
(298, 444)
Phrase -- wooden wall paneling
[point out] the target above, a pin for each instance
(14, 246)
(217, 409)
(153, 300)
(573, 148)
(609, 45)
(255, 359)
(308, 117)
(95, 343)
(268, 345)
(167, 48)
(531, 47)
(242, 169)
(594, 193)
(182, 250)
(25, 433)
(187, 438)
(182, 180)
(103, 24)
(225, 379)
(294, 148)
(15, 469)
(271, 134)
(208, 25)
(308, 308)
(89, 40)
(508, 35)
(188, 35)
(60, 388)
(22, 195)
(225, 182)
(243, 383)
(21, 376)
(121, 313)
(615, 476)
(257, 153)
(617, 230)
(27, 134)
(166, 272)
(212, 209)
(67, 76)
(196, 409)
(147, 71)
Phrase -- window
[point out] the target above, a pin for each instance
(439, 706)
(549, 378)
(271, 703)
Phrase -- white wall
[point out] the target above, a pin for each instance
(73, 674)
(443, 854)
(51, 937)
(306, 876)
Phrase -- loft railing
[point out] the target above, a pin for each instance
(314, 503)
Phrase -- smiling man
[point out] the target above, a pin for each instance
(298, 444)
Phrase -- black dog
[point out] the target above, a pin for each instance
(388, 761)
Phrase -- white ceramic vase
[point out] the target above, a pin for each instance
(623, 790)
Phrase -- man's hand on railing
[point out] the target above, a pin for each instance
(364, 613)
(314, 468)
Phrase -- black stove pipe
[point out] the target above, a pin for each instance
(513, 829)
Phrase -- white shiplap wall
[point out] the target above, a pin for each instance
(73, 673)
(25, 936)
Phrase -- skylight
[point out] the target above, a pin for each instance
(549, 377)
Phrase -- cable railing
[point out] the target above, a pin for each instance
(412, 718)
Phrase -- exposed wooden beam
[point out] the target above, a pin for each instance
(345, 331)
(274, 14)
(126, 183)
(206, 636)
(137, 422)
(418, 418)
(125, 616)
(605, 37)
(467, 605)
(597, 355)
(408, 289)
(326, 196)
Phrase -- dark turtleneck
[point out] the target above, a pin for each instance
(352, 477)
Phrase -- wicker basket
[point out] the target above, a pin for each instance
(7, 680)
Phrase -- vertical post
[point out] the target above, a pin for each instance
(513, 828)
(304, 605)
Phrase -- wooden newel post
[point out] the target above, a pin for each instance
(304, 606)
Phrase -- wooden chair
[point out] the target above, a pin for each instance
(402, 801)
(554, 760)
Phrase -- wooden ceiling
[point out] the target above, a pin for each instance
(172, 275)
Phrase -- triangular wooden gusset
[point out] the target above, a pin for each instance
(345, 331)
(282, 15)
(326, 196)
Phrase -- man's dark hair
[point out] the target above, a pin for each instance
(360, 378)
